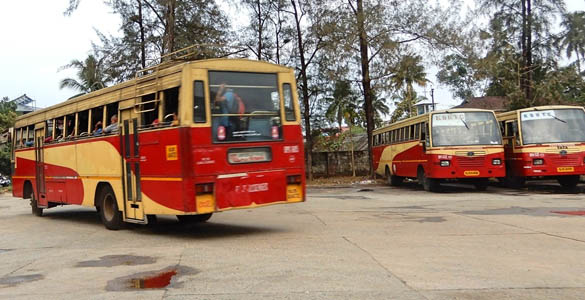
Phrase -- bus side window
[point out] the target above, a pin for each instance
(69, 125)
(59, 128)
(199, 109)
(48, 131)
(416, 131)
(289, 108)
(412, 132)
(111, 111)
(516, 133)
(30, 141)
(97, 119)
(82, 123)
(18, 135)
(171, 106)
(149, 110)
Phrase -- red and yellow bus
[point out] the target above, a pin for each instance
(185, 138)
(544, 142)
(454, 144)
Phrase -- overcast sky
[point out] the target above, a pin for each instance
(36, 39)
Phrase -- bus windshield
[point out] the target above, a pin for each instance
(465, 128)
(245, 106)
(553, 126)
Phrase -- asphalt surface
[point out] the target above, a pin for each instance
(357, 242)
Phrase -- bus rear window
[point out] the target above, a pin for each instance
(245, 107)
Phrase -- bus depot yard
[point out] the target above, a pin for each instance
(345, 242)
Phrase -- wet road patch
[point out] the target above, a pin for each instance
(570, 212)
(117, 260)
(526, 211)
(158, 279)
(16, 280)
(5, 250)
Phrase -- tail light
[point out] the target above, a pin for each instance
(275, 134)
(221, 133)
(293, 179)
(204, 188)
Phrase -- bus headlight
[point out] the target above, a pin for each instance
(496, 161)
(538, 161)
(445, 163)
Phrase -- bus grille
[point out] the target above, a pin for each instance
(567, 161)
(475, 161)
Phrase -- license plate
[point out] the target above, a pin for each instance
(471, 173)
(294, 193)
(565, 169)
(249, 155)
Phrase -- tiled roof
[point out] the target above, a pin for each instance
(495, 103)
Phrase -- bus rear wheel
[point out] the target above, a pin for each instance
(191, 219)
(108, 209)
(36, 210)
(393, 180)
(568, 182)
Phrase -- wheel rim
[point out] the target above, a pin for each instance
(108, 208)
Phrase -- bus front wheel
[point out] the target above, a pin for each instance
(190, 219)
(108, 210)
(568, 182)
(429, 184)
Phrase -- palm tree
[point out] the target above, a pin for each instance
(90, 74)
(572, 38)
(343, 107)
(407, 73)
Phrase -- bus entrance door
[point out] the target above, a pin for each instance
(133, 206)
(40, 167)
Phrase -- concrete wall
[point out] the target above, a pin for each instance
(339, 163)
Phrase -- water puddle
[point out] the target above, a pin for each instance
(158, 279)
(570, 212)
(117, 260)
(5, 250)
(526, 211)
(16, 280)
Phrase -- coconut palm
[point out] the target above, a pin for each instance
(407, 73)
(572, 38)
(343, 107)
(90, 74)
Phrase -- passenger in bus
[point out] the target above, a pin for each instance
(29, 143)
(229, 103)
(98, 128)
(113, 127)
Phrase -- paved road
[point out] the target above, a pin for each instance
(343, 243)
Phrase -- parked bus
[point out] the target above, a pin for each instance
(544, 142)
(454, 144)
(185, 138)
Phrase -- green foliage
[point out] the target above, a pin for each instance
(7, 118)
(90, 73)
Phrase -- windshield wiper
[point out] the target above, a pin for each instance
(559, 119)
(465, 123)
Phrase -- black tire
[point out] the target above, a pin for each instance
(430, 184)
(108, 209)
(481, 186)
(36, 210)
(515, 182)
(568, 182)
(191, 219)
